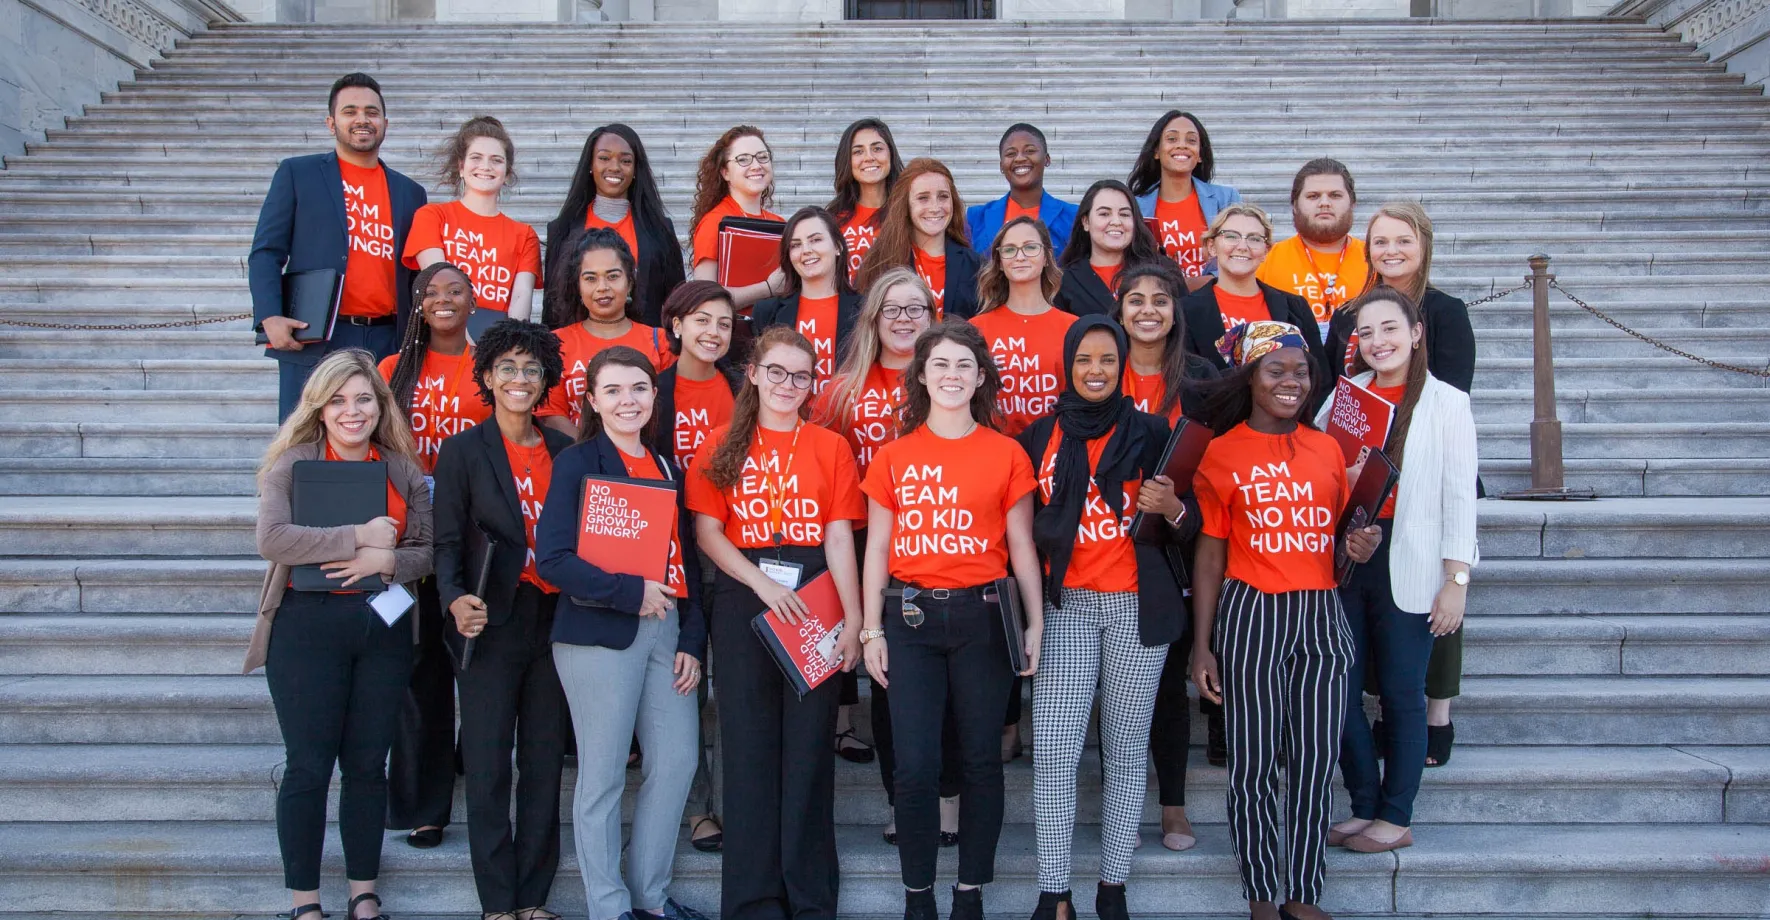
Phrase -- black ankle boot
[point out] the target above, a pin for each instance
(1048, 901)
(919, 905)
(967, 903)
(1109, 902)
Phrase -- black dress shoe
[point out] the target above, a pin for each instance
(1109, 903)
(949, 839)
(919, 905)
(425, 839)
(967, 903)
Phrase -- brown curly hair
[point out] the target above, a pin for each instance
(454, 151)
(710, 186)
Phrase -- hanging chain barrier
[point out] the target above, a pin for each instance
(1498, 294)
(1709, 362)
(120, 327)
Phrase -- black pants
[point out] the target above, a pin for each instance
(958, 658)
(379, 341)
(1170, 728)
(511, 700)
(779, 765)
(421, 766)
(336, 674)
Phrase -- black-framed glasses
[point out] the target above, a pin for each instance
(910, 310)
(1030, 250)
(1253, 239)
(507, 372)
(747, 160)
(802, 380)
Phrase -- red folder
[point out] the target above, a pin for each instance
(1359, 419)
(806, 652)
(625, 525)
(749, 249)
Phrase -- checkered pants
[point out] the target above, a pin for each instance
(1092, 641)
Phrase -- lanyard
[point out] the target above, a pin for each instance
(777, 487)
(450, 379)
(1327, 289)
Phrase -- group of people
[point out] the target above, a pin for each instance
(945, 409)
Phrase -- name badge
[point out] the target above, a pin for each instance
(785, 574)
(392, 603)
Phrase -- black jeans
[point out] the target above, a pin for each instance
(421, 766)
(511, 700)
(336, 674)
(951, 774)
(958, 658)
(1170, 729)
(779, 768)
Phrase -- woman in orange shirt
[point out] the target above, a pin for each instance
(501, 255)
(1112, 607)
(1171, 181)
(923, 228)
(1270, 640)
(1109, 235)
(598, 277)
(775, 500)
(613, 187)
(735, 179)
(867, 166)
(816, 298)
(1239, 239)
(949, 512)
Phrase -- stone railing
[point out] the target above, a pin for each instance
(1733, 32)
(64, 53)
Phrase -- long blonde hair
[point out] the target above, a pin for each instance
(1414, 215)
(863, 345)
(392, 436)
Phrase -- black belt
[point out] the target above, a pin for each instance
(367, 320)
(912, 592)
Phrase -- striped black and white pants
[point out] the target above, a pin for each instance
(1283, 659)
(1091, 641)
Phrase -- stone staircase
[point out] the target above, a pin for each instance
(1614, 734)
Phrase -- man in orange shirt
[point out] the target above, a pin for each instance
(344, 210)
(1323, 264)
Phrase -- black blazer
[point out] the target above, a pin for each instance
(302, 226)
(784, 311)
(596, 607)
(1162, 613)
(476, 494)
(663, 439)
(962, 268)
(1083, 292)
(1204, 322)
(1450, 340)
(659, 263)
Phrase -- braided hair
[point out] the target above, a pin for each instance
(404, 379)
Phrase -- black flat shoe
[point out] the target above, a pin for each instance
(949, 839)
(890, 837)
(858, 753)
(712, 843)
(425, 839)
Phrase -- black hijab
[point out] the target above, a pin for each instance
(1080, 420)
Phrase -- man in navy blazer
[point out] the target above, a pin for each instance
(1024, 158)
(306, 223)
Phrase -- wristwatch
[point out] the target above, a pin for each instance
(868, 635)
(1460, 579)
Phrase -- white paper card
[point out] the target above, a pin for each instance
(785, 574)
(392, 603)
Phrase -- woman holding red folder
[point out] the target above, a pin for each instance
(775, 500)
(491, 481)
(1416, 586)
(734, 179)
(628, 649)
(599, 278)
(337, 671)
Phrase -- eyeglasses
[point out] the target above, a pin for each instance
(1029, 250)
(1253, 239)
(746, 160)
(910, 310)
(530, 372)
(777, 374)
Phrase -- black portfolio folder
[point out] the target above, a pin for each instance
(327, 493)
(1375, 483)
(1186, 447)
(480, 320)
(1006, 593)
(311, 297)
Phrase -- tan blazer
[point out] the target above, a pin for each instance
(284, 545)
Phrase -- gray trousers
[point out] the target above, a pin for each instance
(614, 693)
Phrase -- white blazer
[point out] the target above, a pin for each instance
(1435, 497)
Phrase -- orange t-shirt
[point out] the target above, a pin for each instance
(1029, 353)
(1276, 500)
(706, 233)
(1180, 229)
(1393, 395)
(445, 401)
(1240, 308)
(932, 270)
(817, 322)
(577, 346)
(623, 227)
(949, 526)
(1327, 282)
(646, 467)
(1103, 558)
(871, 422)
(492, 250)
(701, 406)
(532, 468)
(1014, 210)
(809, 487)
(370, 269)
(859, 234)
(1147, 392)
(1109, 275)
